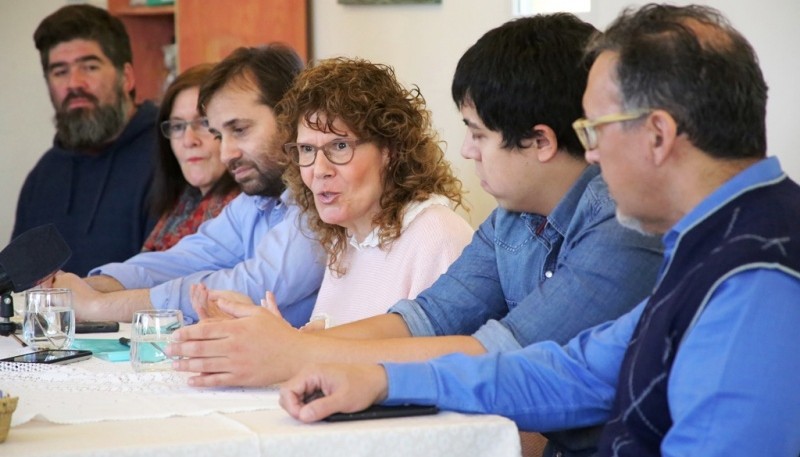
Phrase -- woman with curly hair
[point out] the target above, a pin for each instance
(367, 170)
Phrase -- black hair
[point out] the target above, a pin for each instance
(528, 71)
(86, 22)
(271, 69)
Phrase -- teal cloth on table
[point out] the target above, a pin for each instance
(106, 349)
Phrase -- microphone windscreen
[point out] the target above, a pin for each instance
(33, 256)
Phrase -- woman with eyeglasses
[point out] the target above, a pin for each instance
(367, 171)
(191, 184)
(369, 174)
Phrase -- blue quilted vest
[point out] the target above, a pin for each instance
(753, 230)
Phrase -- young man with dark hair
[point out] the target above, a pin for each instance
(93, 183)
(675, 113)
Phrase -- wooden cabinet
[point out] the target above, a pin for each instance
(205, 31)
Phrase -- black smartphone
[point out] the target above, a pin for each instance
(384, 412)
(97, 327)
(61, 356)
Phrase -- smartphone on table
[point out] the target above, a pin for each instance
(97, 327)
(384, 412)
(59, 356)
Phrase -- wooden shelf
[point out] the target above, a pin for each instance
(205, 31)
(142, 10)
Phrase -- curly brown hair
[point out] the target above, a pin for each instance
(369, 100)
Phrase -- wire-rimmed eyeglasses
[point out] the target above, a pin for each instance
(338, 152)
(174, 129)
(586, 128)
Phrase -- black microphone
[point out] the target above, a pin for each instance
(25, 262)
(32, 257)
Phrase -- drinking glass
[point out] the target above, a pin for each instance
(48, 321)
(151, 332)
(19, 304)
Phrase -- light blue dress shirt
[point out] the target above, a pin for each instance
(526, 278)
(732, 389)
(254, 245)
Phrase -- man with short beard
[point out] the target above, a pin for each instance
(93, 183)
(257, 243)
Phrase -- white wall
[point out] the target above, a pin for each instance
(26, 127)
(771, 27)
(422, 42)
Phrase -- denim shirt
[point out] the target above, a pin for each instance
(526, 277)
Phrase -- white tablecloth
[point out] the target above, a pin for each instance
(97, 408)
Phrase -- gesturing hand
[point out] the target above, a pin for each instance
(251, 347)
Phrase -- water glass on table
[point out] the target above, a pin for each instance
(151, 332)
(48, 320)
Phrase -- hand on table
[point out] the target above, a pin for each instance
(346, 388)
(250, 347)
(47, 282)
(84, 297)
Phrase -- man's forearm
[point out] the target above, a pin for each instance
(378, 327)
(384, 338)
(104, 283)
(318, 348)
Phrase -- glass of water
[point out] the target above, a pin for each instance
(48, 320)
(150, 334)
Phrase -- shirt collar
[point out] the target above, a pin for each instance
(761, 173)
(561, 216)
(412, 210)
(267, 204)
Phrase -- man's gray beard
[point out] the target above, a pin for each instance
(631, 223)
(86, 129)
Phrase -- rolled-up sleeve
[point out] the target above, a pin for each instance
(247, 248)
(286, 262)
(218, 243)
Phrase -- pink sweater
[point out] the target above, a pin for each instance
(376, 279)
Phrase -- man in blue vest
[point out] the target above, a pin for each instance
(675, 111)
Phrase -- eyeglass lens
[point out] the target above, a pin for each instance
(338, 152)
(175, 129)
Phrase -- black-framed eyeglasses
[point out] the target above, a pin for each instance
(175, 129)
(338, 152)
(586, 128)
